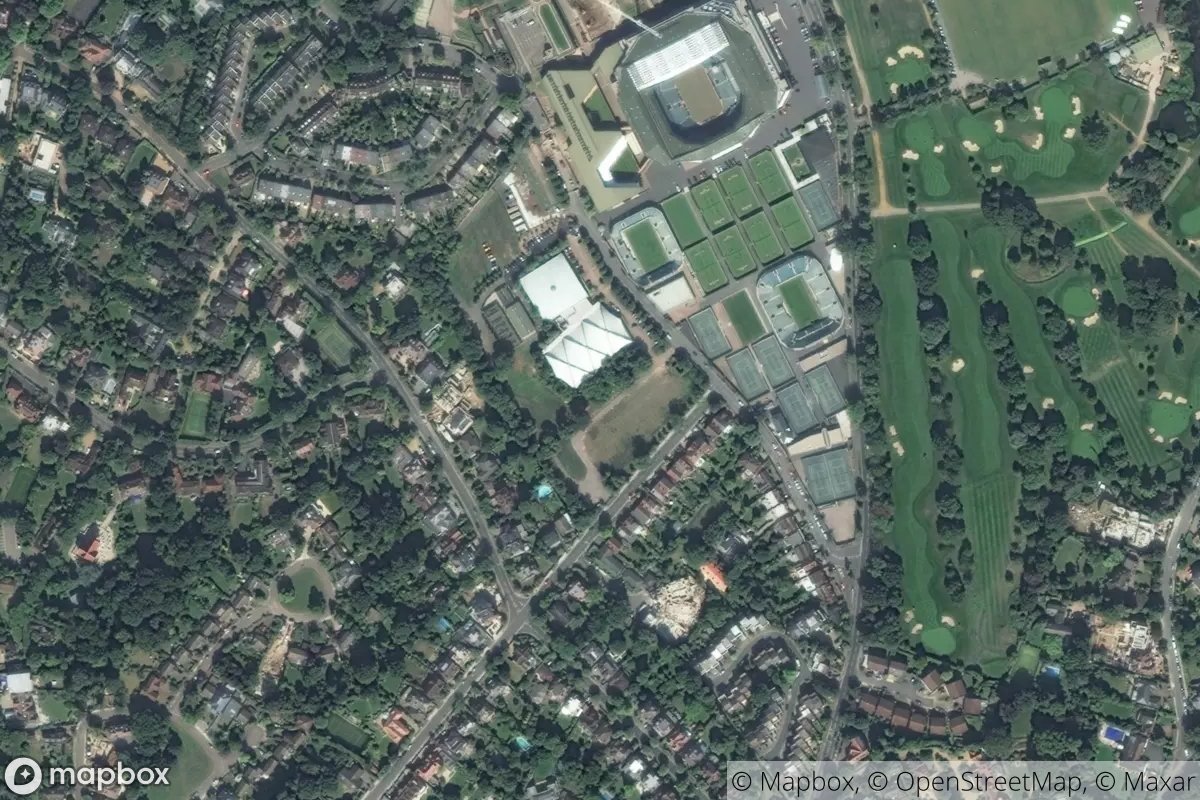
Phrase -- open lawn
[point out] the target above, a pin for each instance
(190, 769)
(304, 580)
(623, 430)
(530, 389)
(336, 346)
(745, 317)
(195, 415)
(706, 267)
(646, 246)
(487, 229)
(878, 31)
(21, 483)
(763, 239)
(1005, 39)
(683, 220)
(570, 461)
(771, 183)
(791, 222)
(737, 188)
(734, 251)
(712, 205)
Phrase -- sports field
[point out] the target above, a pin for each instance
(706, 267)
(799, 301)
(336, 346)
(1005, 39)
(738, 190)
(683, 220)
(732, 247)
(763, 239)
(796, 162)
(792, 223)
(646, 246)
(744, 317)
(765, 168)
(878, 32)
(195, 414)
(711, 203)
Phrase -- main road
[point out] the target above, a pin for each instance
(1179, 684)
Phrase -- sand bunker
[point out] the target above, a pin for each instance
(1091, 320)
(977, 272)
(949, 620)
(957, 365)
(1047, 402)
(891, 62)
(998, 125)
(910, 50)
(939, 147)
(1076, 106)
(1181, 400)
(996, 168)
(1038, 113)
(1095, 293)
(1087, 426)
(1166, 395)
(1028, 370)
(1159, 438)
(899, 448)
(891, 430)
(894, 88)
(970, 146)
(908, 615)
(1039, 141)
(917, 628)
(910, 155)
(1069, 133)
(1196, 415)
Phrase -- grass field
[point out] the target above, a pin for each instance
(738, 190)
(744, 316)
(646, 246)
(683, 220)
(21, 483)
(554, 27)
(792, 224)
(530, 389)
(732, 247)
(799, 301)
(1183, 205)
(195, 415)
(487, 227)
(304, 580)
(763, 239)
(706, 267)
(771, 183)
(712, 205)
(622, 431)
(570, 461)
(1004, 39)
(190, 769)
(336, 345)
(878, 31)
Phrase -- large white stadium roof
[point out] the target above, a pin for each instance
(580, 350)
(554, 289)
(678, 57)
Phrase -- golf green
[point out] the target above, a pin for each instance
(1169, 419)
(1189, 222)
(939, 640)
(1077, 301)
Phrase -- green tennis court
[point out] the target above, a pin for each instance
(763, 240)
(770, 178)
(735, 252)
(682, 219)
(706, 267)
(712, 205)
(792, 223)
(745, 318)
(739, 191)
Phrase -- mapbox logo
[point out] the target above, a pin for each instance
(24, 776)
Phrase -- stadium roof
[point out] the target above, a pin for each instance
(580, 349)
(678, 57)
(554, 290)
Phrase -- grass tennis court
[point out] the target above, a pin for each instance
(195, 415)
(770, 178)
(683, 220)
(336, 346)
(708, 333)
(739, 191)
(646, 246)
(733, 249)
(744, 317)
(792, 223)
(774, 361)
(744, 369)
(796, 162)
(799, 301)
(706, 267)
(712, 205)
(22, 482)
(763, 240)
